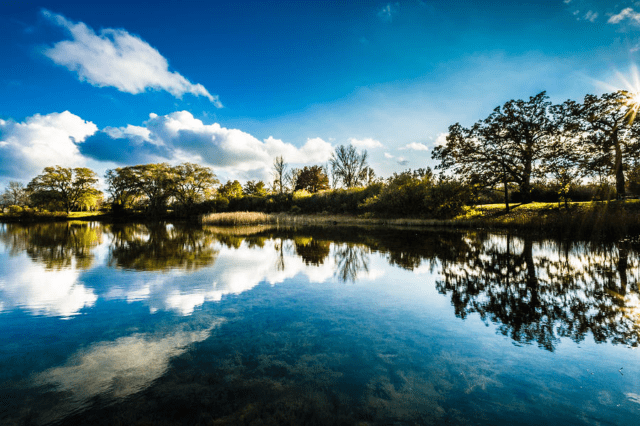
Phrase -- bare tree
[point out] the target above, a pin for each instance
(348, 166)
(15, 194)
(279, 174)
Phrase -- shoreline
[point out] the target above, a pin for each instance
(614, 219)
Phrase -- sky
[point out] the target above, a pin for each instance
(233, 84)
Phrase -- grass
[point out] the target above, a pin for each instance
(615, 219)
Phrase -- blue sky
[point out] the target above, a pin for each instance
(234, 84)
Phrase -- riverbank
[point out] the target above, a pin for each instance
(614, 219)
(592, 220)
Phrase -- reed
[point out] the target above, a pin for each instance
(238, 219)
(590, 220)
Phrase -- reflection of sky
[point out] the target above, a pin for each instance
(389, 330)
(29, 285)
(234, 271)
(116, 368)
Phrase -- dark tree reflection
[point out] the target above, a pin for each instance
(542, 291)
(56, 245)
(351, 259)
(159, 246)
(311, 250)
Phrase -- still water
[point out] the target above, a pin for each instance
(169, 324)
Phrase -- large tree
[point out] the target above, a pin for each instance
(478, 160)
(349, 166)
(66, 185)
(608, 131)
(193, 183)
(231, 189)
(312, 179)
(507, 146)
(122, 185)
(151, 185)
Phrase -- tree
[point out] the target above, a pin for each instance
(608, 131)
(231, 189)
(65, 185)
(312, 179)
(193, 183)
(256, 189)
(508, 146)
(122, 185)
(279, 174)
(349, 166)
(480, 161)
(15, 194)
(156, 183)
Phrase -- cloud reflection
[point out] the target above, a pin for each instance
(115, 369)
(41, 291)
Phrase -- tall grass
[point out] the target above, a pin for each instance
(253, 218)
(585, 220)
(238, 219)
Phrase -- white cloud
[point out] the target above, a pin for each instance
(416, 146)
(387, 155)
(40, 141)
(591, 16)
(180, 137)
(441, 140)
(627, 13)
(365, 143)
(118, 59)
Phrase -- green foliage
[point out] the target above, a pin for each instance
(256, 189)
(60, 186)
(312, 179)
(231, 190)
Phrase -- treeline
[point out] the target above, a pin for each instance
(523, 151)
(527, 141)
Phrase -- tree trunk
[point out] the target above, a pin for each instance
(506, 194)
(617, 167)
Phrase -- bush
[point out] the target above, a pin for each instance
(15, 210)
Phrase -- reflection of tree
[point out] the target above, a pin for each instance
(56, 245)
(312, 251)
(160, 246)
(556, 290)
(350, 260)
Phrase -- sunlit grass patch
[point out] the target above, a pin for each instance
(78, 215)
(238, 218)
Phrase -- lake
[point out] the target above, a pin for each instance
(175, 324)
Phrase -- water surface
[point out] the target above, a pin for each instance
(171, 324)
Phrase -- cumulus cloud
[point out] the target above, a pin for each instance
(42, 140)
(387, 155)
(402, 161)
(179, 135)
(441, 140)
(115, 58)
(415, 146)
(627, 13)
(365, 143)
